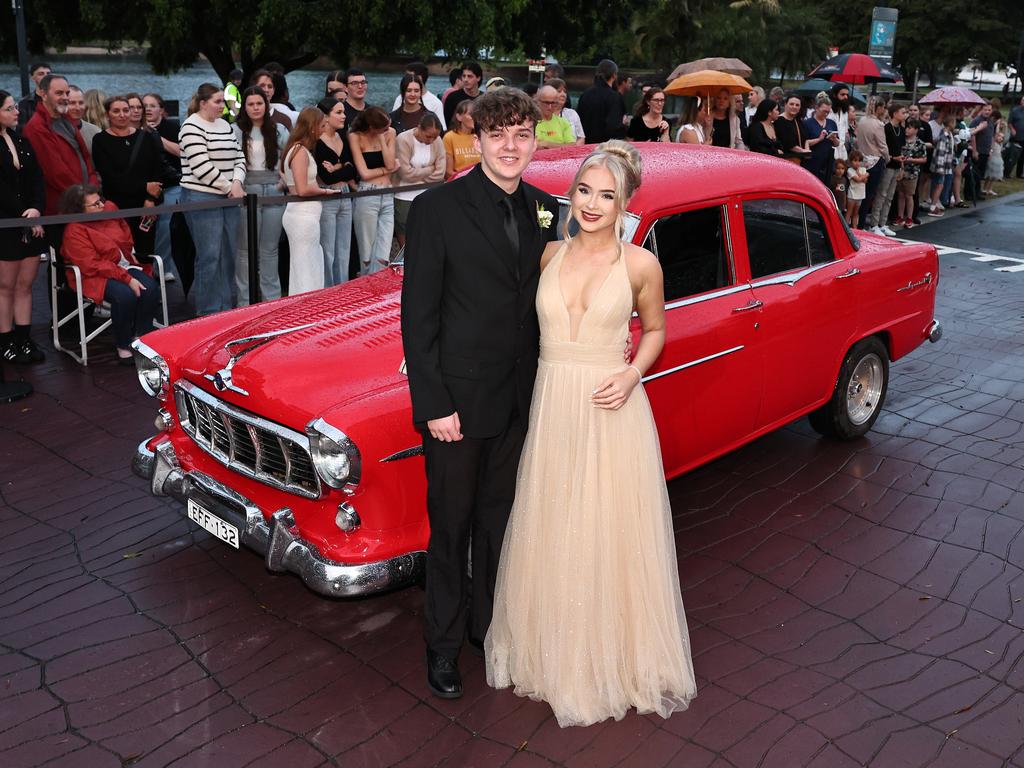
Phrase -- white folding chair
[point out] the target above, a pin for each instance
(82, 303)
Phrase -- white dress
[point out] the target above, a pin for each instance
(302, 225)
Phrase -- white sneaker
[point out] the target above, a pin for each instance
(170, 278)
(888, 232)
(876, 231)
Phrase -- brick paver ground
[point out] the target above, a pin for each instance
(849, 604)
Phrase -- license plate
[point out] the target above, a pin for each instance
(210, 522)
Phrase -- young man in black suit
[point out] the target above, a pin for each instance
(471, 340)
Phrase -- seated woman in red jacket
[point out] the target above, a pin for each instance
(104, 252)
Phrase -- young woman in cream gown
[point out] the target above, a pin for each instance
(588, 614)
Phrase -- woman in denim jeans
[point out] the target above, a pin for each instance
(212, 169)
(262, 140)
(334, 169)
(372, 140)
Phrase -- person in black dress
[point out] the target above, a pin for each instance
(648, 124)
(133, 170)
(22, 194)
(761, 135)
(789, 131)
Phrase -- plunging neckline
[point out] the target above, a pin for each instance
(574, 338)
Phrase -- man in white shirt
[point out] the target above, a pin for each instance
(840, 114)
(430, 101)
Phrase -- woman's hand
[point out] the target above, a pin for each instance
(33, 213)
(612, 393)
(236, 190)
(154, 188)
(663, 126)
(137, 287)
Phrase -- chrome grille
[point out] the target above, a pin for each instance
(246, 443)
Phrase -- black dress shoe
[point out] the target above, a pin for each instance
(443, 676)
(476, 646)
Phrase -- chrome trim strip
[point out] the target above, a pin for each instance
(408, 453)
(916, 284)
(707, 296)
(792, 278)
(281, 547)
(214, 408)
(692, 363)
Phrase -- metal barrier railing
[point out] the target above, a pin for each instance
(249, 203)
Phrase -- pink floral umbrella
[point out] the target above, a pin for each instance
(952, 96)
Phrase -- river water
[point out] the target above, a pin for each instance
(116, 75)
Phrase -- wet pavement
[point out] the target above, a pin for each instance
(849, 604)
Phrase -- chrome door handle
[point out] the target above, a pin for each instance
(852, 272)
(754, 304)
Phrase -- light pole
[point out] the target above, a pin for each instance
(19, 22)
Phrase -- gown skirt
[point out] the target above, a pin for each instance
(588, 613)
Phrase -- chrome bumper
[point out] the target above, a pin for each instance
(281, 548)
(934, 331)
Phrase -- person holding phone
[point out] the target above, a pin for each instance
(821, 137)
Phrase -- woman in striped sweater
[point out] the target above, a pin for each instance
(212, 168)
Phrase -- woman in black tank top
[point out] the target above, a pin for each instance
(372, 140)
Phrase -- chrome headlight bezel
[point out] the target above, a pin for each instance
(335, 456)
(153, 371)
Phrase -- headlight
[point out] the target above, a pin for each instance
(335, 456)
(154, 375)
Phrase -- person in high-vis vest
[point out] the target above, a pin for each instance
(233, 95)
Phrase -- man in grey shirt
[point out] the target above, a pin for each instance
(982, 134)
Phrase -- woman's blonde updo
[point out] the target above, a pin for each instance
(622, 160)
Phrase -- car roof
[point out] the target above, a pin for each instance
(678, 174)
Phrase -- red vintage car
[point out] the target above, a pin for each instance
(286, 426)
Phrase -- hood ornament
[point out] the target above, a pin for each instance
(222, 378)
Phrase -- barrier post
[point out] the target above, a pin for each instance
(253, 246)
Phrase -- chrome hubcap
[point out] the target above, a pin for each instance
(864, 390)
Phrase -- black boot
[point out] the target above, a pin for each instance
(443, 677)
(24, 351)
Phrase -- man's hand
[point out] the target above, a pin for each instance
(153, 188)
(447, 430)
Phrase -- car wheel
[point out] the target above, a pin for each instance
(859, 393)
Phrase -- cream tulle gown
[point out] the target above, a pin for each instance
(588, 615)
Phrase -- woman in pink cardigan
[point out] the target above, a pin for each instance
(421, 159)
(104, 252)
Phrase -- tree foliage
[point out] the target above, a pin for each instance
(786, 36)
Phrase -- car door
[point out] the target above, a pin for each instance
(808, 303)
(705, 387)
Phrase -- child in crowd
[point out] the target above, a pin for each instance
(857, 188)
(459, 143)
(838, 185)
(915, 154)
(994, 168)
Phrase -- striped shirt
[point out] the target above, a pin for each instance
(211, 158)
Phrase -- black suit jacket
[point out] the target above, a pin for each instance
(469, 323)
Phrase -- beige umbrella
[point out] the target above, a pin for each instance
(717, 63)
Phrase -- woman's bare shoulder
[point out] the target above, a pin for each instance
(549, 252)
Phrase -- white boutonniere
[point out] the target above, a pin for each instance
(544, 218)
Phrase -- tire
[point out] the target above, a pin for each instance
(859, 394)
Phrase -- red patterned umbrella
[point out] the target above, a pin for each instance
(953, 96)
(855, 68)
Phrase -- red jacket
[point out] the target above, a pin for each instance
(96, 247)
(57, 158)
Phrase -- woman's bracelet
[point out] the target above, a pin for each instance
(638, 373)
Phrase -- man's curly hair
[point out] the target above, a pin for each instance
(502, 108)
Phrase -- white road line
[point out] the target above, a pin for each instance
(1017, 265)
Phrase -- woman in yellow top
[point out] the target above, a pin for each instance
(460, 143)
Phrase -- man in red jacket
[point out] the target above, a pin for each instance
(63, 154)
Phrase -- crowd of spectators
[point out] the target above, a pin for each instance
(73, 151)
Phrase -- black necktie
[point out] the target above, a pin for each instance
(511, 228)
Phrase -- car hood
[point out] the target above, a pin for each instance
(334, 346)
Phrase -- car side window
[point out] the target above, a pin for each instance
(783, 235)
(693, 249)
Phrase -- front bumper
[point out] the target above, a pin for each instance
(282, 549)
